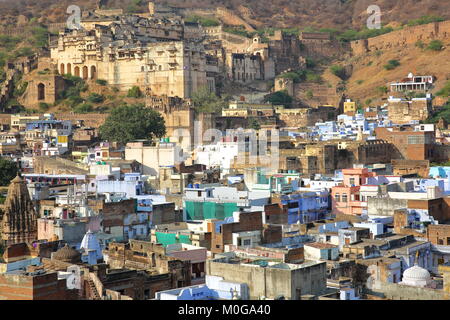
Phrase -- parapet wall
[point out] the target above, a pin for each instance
(94, 120)
(405, 37)
(228, 17)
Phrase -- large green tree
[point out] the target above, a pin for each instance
(131, 122)
(8, 170)
(205, 101)
(280, 98)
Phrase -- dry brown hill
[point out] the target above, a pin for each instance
(369, 73)
(340, 14)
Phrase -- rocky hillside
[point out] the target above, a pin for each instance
(369, 73)
(340, 14)
(422, 50)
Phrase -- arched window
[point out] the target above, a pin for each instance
(93, 72)
(62, 68)
(41, 91)
(85, 73)
(69, 68)
(77, 71)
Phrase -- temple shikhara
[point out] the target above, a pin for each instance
(19, 217)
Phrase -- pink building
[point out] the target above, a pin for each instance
(345, 198)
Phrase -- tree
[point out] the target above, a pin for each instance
(43, 106)
(95, 98)
(280, 98)
(205, 101)
(8, 171)
(131, 122)
(101, 82)
(392, 64)
(435, 45)
(134, 92)
(254, 124)
(442, 113)
(445, 91)
(382, 90)
(420, 44)
(205, 22)
(292, 75)
(424, 20)
(83, 108)
(338, 71)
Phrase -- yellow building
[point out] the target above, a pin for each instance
(349, 106)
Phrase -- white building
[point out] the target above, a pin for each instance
(217, 155)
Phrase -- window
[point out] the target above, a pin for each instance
(292, 205)
(41, 91)
(344, 197)
(416, 140)
(337, 197)
(440, 241)
(448, 240)
(247, 242)
(352, 181)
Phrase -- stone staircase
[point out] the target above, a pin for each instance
(94, 293)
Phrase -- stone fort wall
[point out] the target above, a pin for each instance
(402, 38)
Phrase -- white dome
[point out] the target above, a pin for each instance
(417, 272)
(416, 276)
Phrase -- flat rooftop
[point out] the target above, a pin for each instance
(321, 245)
